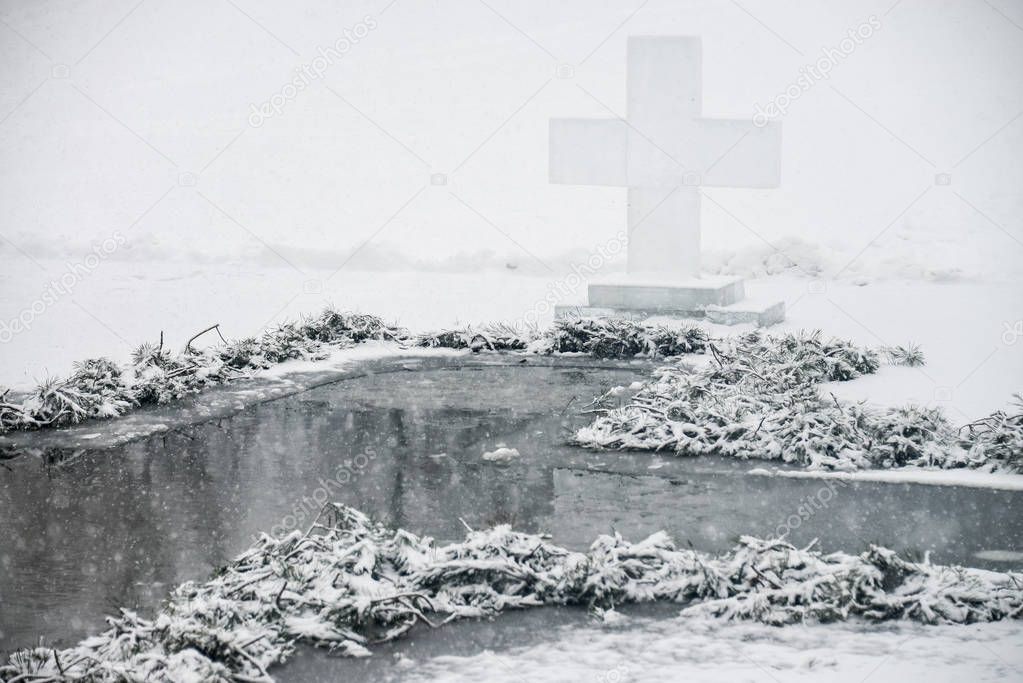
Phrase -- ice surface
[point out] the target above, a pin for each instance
(652, 651)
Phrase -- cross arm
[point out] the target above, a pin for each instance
(708, 152)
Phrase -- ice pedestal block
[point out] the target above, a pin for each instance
(651, 295)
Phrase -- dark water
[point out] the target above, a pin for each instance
(121, 527)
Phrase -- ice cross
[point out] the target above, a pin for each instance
(663, 152)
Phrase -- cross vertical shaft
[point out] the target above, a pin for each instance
(664, 232)
(664, 152)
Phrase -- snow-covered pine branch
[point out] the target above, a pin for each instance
(349, 583)
(759, 398)
(99, 388)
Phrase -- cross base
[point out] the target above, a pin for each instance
(649, 292)
(715, 299)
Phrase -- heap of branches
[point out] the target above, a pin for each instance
(492, 337)
(616, 338)
(998, 437)
(597, 337)
(759, 398)
(348, 583)
(99, 388)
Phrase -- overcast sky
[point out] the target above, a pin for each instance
(138, 117)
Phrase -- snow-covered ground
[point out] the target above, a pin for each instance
(971, 332)
(907, 475)
(706, 651)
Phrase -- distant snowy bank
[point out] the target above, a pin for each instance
(930, 260)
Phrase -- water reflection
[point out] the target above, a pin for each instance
(118, 528)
